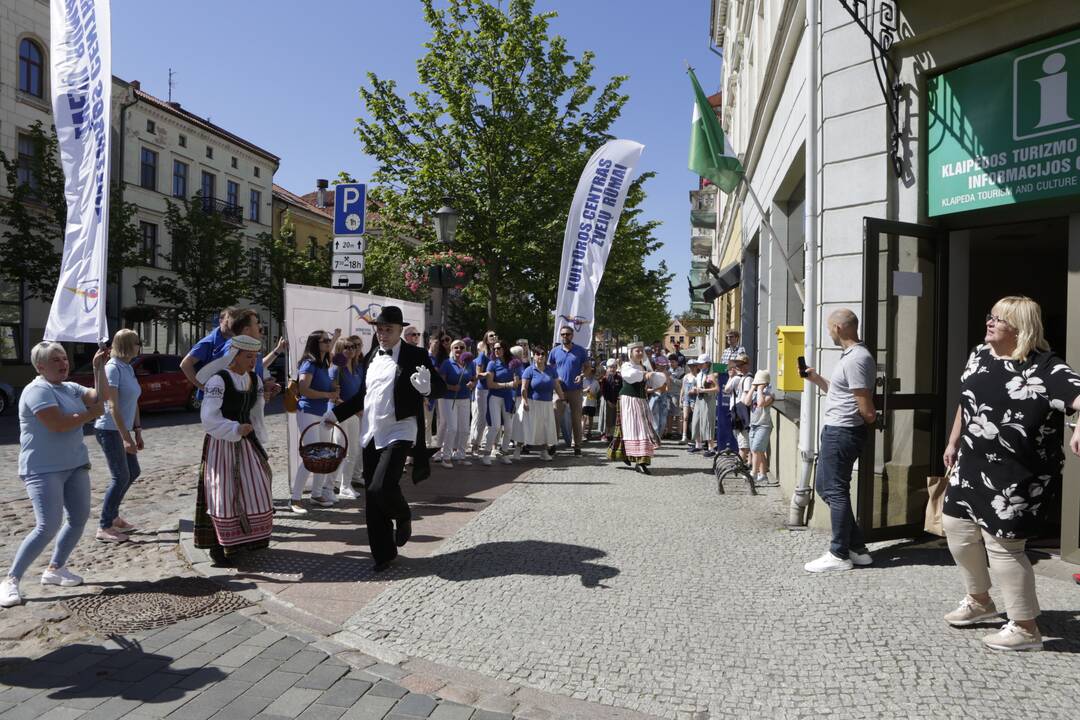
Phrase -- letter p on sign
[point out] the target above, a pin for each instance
(349, 209)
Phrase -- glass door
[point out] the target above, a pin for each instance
(904, 327)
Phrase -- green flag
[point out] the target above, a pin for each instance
(710, 156)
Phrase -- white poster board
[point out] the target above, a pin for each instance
(308, 309)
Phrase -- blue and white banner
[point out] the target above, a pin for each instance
(590, 230)
(81, 81)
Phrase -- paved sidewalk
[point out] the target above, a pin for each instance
(229, 667)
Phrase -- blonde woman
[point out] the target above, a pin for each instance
(54, 464)
(1005, 446)
(119, 434)
(348, 376)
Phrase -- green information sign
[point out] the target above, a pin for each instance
(1006, 129)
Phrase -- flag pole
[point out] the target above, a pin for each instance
(779, 246)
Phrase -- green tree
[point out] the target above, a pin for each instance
(208, 261)
(503, 126)
(34, 216)
(275, 260)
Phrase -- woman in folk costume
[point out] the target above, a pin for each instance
(635, 439)
(234, 506)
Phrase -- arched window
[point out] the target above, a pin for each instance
(31, 68)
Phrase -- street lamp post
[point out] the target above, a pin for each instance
(446, 220)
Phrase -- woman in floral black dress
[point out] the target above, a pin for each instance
(1006, 444)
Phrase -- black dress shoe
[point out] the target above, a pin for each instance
(577, 451)
(219, 558)
(643, 469)
(626, 460)
(384, 564)
(403, 531)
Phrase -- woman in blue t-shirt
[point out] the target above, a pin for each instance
(316, 390)
(500, 381)
(54, 465)
(119, 434)
(460, 377)
(538, 383)
(347, 374)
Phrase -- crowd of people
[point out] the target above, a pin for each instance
(392, 401)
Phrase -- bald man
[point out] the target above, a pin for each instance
(848, 414)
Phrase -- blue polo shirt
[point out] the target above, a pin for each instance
(541, 382)
(349, 380)
(121, 375)
(454, 374)
(41, 450)
(320, 380)
(568, 364)
(214, 346)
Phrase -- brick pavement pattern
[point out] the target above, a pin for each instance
(657, 594)
(229, 667)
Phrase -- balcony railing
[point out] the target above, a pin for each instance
(228, 211)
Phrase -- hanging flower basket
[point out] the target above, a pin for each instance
(439, 270)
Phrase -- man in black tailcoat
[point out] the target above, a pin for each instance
(399, 377)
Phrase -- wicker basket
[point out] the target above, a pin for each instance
(323, 458)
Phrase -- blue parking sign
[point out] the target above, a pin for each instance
(350, 202)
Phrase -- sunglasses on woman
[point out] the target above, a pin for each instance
(348, 347)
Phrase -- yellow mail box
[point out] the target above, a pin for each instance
(789, 346)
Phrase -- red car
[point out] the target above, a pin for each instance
(163, 383)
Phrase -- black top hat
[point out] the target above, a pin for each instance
(390, 315)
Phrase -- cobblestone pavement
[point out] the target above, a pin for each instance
(164, 493)
(229, 667)
(657, 594)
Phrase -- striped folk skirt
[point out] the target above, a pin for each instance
(234, 504)
(635, 438)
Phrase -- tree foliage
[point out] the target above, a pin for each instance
(275, 260)
(207, 258)
(35, 217)
(503, 127)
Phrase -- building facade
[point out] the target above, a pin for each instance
(161, 153)
(24, 100)
(948, 177)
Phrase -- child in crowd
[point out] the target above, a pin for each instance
(591, 394)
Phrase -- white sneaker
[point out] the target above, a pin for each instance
(1013, 637)
(545, 456)
(465, 461)
(9, 593)
(486, 460)
(321, 501)
(827, 563)
(347, 493)
(505, 460)
(447, 464)
(860, 559)
(517, 452)
(459, 455)
(60, 576)
(437, 457)
(297, 508)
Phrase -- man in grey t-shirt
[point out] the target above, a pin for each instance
(848, 414)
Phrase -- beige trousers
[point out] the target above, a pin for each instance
(970, 546)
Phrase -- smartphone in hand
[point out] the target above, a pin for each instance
(802, 366)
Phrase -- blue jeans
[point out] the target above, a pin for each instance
(659, 406)
(123, 467)
(51, 495)
(840, 448)
(565, 425)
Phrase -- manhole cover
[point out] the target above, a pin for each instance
(153, 605)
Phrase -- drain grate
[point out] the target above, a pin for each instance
(153, 605)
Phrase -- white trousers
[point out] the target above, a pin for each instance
(352, 460)
(322, 433)
(501, 419)
(479, 424)
(454, 426)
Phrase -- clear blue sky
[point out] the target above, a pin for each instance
(284, 74)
